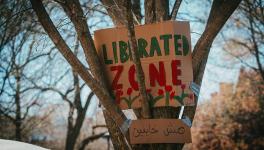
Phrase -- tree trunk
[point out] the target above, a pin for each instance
(70, 142)
(160, 13)
(74, 127)
(119, 140)
(158, 10)
(155, 11)
(70, 137)
(18, 108)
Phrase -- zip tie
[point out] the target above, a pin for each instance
(195, 88)
(187, 121)
(125, 126)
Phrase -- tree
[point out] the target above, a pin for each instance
(32, 127)
(74, 124)
(233, 118)
(249, 23)
(15, 17)
(16, 29)
(77, 105)
(17, 93)
(121, 13)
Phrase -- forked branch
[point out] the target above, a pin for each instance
(95, 86)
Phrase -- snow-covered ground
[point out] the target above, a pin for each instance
(15, 145)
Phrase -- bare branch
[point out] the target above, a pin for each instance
(27, 109)
(256, 48)
(75, 13)
(99, 126)
(220, 12)
(53, 33)
(94, 8)
(115, 11)
(136, 59)
(175, 9)
(136, 11)
(7, 115)
(90, 96)
(241, 60)
(150, 15)
(90, 139)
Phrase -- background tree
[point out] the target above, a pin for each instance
(74, 99)
(15, 17)
(235, 118)
(32, 127)
(247, 48)
(122, 14)
(18, 75)
(41, 81)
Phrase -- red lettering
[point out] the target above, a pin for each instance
(131, 77)
(155, 75)
(119, 69)
(175, 71)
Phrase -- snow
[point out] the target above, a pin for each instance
(15, 145)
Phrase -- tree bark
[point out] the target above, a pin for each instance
(75, 13)
(175, 9)
(150, 15)
(71, 134)
(18, 119)
(137, 10)
(220, 12)
(119, 140)
(96, 86)
(95, 83)
(145, 107)
(75, 128)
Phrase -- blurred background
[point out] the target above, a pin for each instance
(44, 102)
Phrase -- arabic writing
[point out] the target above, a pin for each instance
(150, 130)
(173, 130)
(145, 131)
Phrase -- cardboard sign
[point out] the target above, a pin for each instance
(159, 131)
(165, 52)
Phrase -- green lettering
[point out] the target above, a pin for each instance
(185, 45)
(129, 50)
(123, 54)
(166, 38)
(176, 44)
(154, 47)
(115, 52)
(142, 44)
(106, 61)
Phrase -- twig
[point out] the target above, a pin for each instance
(175, 9)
